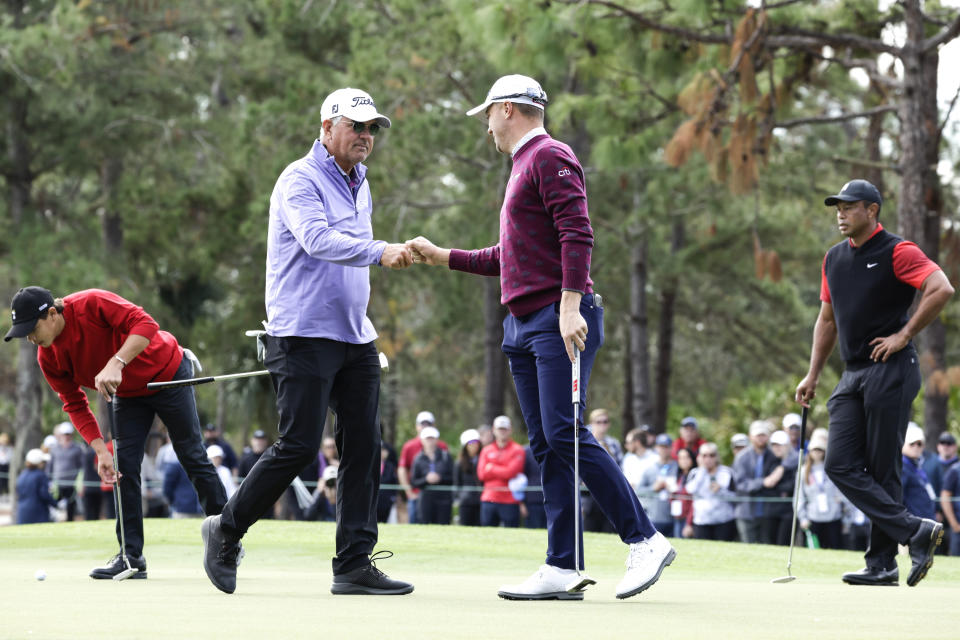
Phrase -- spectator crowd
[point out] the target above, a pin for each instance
(689, 486)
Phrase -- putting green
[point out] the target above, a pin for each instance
(712, 590)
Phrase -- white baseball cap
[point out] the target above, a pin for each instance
(470, 435)
(779, 437)
(429, 432)
(64, 428)
(354, 104)
(792, 420)
(214, 451)
(914, 433)
(425, 417)
(36, 456)
(501, 422)
(513, 88)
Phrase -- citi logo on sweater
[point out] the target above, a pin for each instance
(565, 171)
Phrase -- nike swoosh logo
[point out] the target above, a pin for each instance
(871, 265)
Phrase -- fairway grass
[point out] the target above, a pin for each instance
(712, 591)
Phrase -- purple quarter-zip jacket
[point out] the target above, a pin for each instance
(319, 248)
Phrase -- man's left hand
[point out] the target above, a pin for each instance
(883, 348)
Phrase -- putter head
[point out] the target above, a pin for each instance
(580, 583)
(126, 573)
(783, 579)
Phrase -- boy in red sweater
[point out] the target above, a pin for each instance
(96, 339)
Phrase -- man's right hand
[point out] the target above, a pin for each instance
(806, 390)
(396, 256)
(428, 253)
(106, 467)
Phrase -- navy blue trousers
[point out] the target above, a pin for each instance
(542, 375)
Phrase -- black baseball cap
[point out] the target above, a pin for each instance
(259, 434)
(947, 438)
(27, 307)
(854, 191)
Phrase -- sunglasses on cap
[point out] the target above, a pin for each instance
(540, 97)
(360, 127)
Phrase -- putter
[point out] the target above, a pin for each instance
(796, 495)
(582, 580)
(129, 571)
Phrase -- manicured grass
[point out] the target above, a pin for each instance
(713, 590)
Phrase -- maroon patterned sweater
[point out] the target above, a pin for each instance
(545, 233)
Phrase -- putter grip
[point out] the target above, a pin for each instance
(575, 387)
(179, 383)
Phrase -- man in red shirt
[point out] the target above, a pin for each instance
(499, 462)
(689, 437)
(96, 339)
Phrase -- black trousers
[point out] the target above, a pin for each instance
(309, 375)
(178, 410)
(869, 411)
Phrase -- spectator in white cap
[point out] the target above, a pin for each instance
(432, 473)
(918, 495)
(546, 287)
(465, 478)
(820, 504)
(33, 493)
(66, 462)
(756, 471)
(408, 453)
(738, 442)
(216, 455)
(782, 510)
(320, 247)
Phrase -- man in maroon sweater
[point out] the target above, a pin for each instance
(96, 339)
(543, 261)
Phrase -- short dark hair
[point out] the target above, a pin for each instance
(529, 110)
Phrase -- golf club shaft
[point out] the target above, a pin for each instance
(116, 484)
(796, 486)
(190, 382)
(576, 457)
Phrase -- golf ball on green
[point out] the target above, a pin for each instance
(40, 574)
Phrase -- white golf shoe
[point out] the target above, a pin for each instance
(548, 583)
(645, 562)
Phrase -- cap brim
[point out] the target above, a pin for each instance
(480, 107)
(832, 200)
(20, 330)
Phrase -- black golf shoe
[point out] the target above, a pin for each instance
(115, 566)
(370, 581)
(220, 555)
(922, 546)
(874, 577)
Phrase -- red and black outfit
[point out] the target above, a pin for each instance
(96, 324)
(871, 288)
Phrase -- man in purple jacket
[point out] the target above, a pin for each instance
(320, 346)
(543, 260)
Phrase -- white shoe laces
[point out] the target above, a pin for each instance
(640, 554)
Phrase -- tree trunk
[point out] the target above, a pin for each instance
(668, 299)
(111, 221)
(638, 352)
(27, 423)
(921, 202)
(493, 363)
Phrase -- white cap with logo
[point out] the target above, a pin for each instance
(354, 104)
(501, 422)
(425, 417)
(513, 88)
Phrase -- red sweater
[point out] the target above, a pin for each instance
(504, 464)
(96, 324)
(545, 233)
